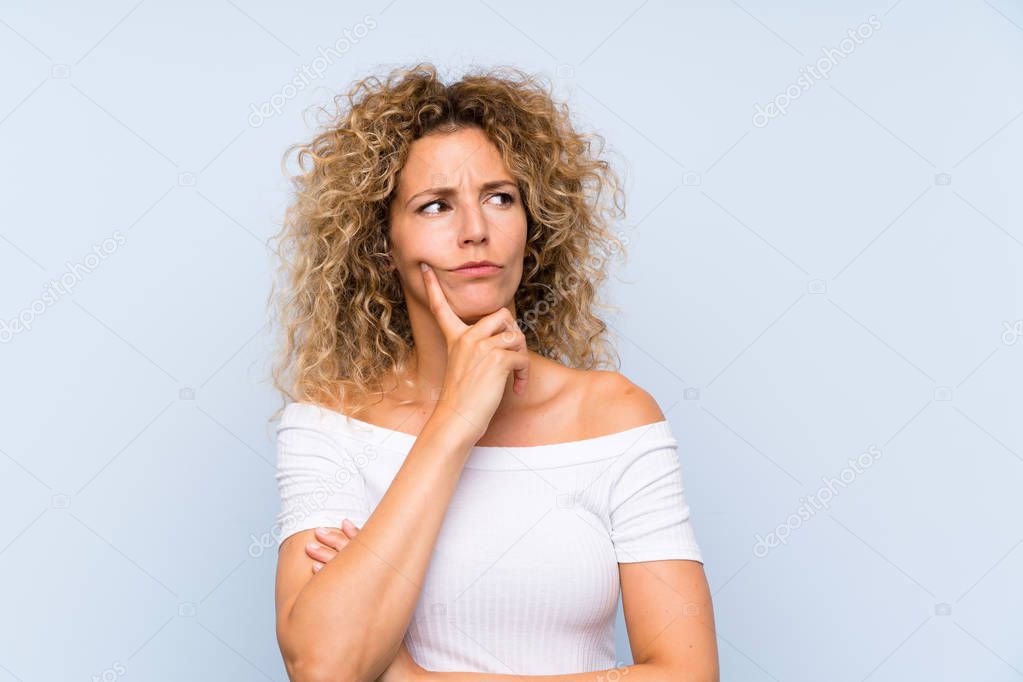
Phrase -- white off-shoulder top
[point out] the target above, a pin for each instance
(524, 575)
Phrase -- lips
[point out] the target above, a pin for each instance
(477, 268)
(477, 264)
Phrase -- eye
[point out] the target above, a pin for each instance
(510, 199)
(422, 209)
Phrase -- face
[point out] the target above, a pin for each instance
(456, 202)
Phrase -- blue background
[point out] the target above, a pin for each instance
(802, 287)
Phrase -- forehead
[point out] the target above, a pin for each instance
(450, 158)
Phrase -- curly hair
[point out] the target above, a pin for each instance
(343, 318)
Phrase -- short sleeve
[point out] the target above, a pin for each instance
(317, 477)
(649, 514)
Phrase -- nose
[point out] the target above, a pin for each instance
(473, 228)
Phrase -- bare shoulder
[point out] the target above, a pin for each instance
(616, 403)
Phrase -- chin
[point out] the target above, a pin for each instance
(472, 310)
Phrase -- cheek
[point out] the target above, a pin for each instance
(515, 277)
(406, 259)
(510, 232)
(406, 256)
(407, 250)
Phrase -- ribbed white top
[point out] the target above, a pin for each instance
(524, 575)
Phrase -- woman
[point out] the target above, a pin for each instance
(465, 493)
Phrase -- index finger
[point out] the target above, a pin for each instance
(450, 324)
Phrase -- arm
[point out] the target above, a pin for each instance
(668, 609)
(347, 621)
(670, 619)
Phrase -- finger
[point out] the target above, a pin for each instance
(518, 363)
(320, 552)
(508, 338)
(332, 537)
(317, 566)
(349, 528)
(499, 322)
(521, 377)
(450, 324)
(516, 341)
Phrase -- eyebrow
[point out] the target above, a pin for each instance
(448, 191)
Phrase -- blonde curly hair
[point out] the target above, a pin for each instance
(343, 318)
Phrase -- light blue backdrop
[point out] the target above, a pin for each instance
(823, 294)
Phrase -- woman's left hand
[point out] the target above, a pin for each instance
(331, 541)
